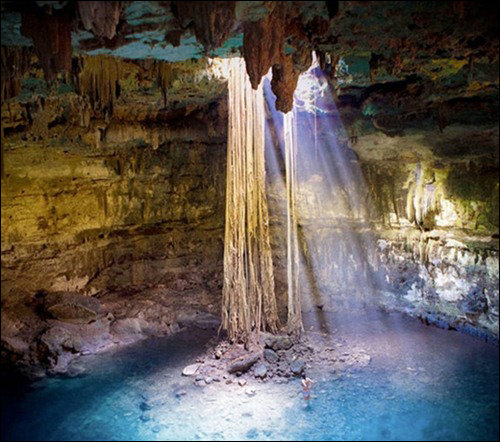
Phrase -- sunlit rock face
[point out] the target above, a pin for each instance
(408, 221)
(123, 205)
(444, 268)
(88, 202)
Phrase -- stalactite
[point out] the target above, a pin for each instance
(294, 323)
(249, 303)
(264, 47)
(2, 154)
(284, 82)
(423, 199)
(211, 21)
(41, 120)
(100, 17)
(263, 44)
(99, 81)
(51, 35)
(164, 78)
(15, 62)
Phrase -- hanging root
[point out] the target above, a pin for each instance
(294, 324)
(249, 302)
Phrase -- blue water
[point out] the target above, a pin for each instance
(422, 384)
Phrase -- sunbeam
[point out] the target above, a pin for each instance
(331, 196)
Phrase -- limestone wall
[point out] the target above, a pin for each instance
(94, 201)
(77, 219)
(395, 224)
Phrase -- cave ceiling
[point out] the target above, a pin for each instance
(390, 62)
(376, 40)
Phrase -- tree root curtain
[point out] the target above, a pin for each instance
(294, 305)
(249, 303)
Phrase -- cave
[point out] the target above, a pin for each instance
(246, 220)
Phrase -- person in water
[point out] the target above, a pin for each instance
(306, 386)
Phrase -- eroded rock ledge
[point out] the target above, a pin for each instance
(43, 335)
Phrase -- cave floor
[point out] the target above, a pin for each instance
(422, 383)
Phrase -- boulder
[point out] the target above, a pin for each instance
(243, 363)
(260, 371)
(190, 370)
(270, 356)
(179, 393)
(145, 406)
(297, 367)
(277, 342)
(71, 307)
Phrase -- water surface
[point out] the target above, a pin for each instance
(423, 383)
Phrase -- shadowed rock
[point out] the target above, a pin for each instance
(277, 342)
(71, 307)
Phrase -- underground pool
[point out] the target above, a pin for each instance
(422, 383)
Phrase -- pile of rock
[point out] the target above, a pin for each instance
(277, 358)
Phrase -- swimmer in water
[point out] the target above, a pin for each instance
(306, 386)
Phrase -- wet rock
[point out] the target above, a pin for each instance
(297, 367)
(55, 347)
(282, 367)
(191, 370)
(145, 417)
(201, 320)
(270, 356)
(260, 371)
(180, 393)
(144, 406)
(363, 359)
(75, 370)
(157, 428)
(252, 433)
(243, 363)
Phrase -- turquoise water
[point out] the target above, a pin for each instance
(422, 384)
